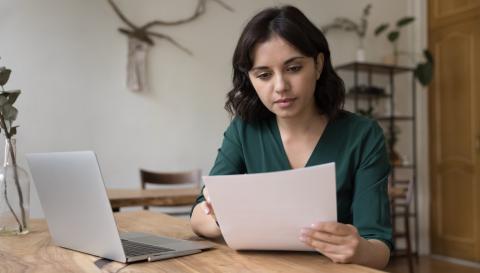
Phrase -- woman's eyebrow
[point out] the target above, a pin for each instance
(286, 62)
(293, 59)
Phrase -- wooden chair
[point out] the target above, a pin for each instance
(400, 195)
(186, 178)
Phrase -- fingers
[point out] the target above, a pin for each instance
(205, 194)
(323, 236)
(334, 228)
(208, 208)
(322, 247)
(207, 205)
(341, 253)
(330, 232)
(337, 241)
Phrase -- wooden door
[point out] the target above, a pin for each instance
(454, 117)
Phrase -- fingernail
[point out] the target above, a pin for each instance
(303, 239)
(304, 231)
(207, 211)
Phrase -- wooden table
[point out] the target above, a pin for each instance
(151, 197)
(35, 252)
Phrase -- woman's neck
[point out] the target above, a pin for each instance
(301, 125)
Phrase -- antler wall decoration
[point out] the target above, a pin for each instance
(141, 38)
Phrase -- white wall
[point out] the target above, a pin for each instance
(69, 60)
(420, 42)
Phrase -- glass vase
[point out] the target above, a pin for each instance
(14, 194)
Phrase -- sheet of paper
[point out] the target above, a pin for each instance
(267, 210)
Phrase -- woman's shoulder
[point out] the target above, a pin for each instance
(241, 125)
(356, 131)
(242, 128)
(354, 122)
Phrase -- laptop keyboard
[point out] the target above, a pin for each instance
(138, 249)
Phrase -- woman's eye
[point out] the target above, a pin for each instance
(263, 76)
(294, 68)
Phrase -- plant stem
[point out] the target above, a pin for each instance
(17, 184)
(10, 206)
(15, 177)
(395, 53)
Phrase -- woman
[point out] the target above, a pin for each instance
(287, 106)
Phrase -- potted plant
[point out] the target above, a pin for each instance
(359, 28)
(14, 182)
(424, 70)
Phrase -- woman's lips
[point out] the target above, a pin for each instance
(284, 103)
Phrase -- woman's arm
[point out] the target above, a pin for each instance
(376, 254)
(204, 224)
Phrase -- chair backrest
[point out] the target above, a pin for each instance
(402, 191)
(170, 178)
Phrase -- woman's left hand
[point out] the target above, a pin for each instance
(339, 242)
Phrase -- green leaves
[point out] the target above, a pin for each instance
(424, 71)
(393, 36)
(405, 21)
(7, 110)
(3, 100)
(381, 28)
(4, 75)
(12, 95)
(428, 55)
(13, 131)
(366, 10)
(8, 113)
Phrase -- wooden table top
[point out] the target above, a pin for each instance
(152, 197)
(35, 252)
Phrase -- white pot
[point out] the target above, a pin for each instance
(360, 56)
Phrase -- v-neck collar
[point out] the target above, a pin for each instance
(278, 139)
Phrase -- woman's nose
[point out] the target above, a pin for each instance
(281, 84)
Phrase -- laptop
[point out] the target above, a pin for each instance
(79, 215)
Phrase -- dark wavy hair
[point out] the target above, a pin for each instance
(291, 24)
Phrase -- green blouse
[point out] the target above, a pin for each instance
(356, 145)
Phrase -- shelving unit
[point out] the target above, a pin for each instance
(368, 74)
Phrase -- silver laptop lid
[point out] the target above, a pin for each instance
(75, 203)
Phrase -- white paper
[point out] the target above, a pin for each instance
(266, 211)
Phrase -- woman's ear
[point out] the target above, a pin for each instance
(319, 64)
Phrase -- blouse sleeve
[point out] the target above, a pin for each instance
(230, 159)
(370, 206)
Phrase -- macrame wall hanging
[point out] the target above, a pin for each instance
(141, 38)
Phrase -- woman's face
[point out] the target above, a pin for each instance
(284, 78)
